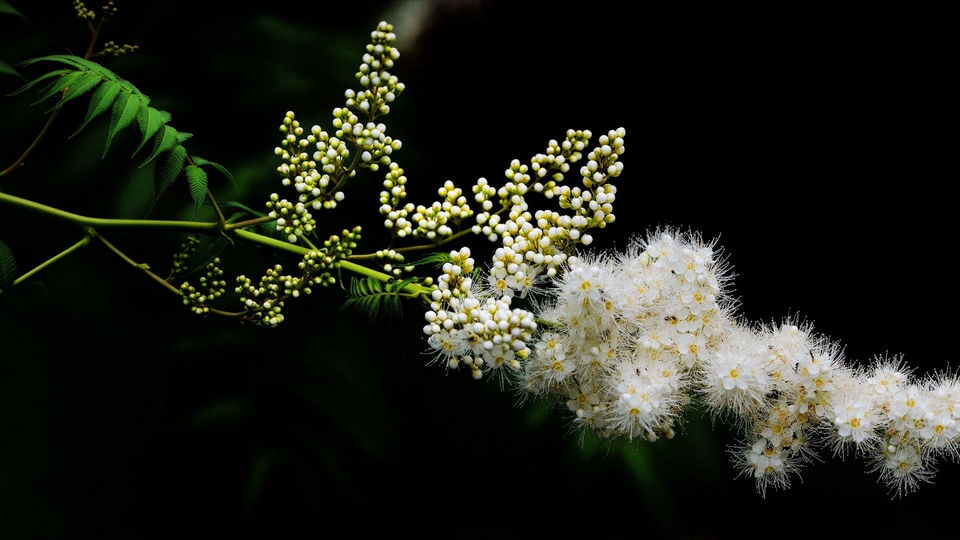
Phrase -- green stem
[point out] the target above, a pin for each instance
(191, 226)
(105, 222)
(52, 260)
(36, 142)
(145, 268)
(418, 247)
(247, 223)
(270, 242)
(412, 289)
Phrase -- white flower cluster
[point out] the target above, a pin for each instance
(469, 328)
(629, 341)
(626, 332)
(810, 398)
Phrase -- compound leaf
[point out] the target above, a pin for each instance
(372, 296)
(81, 64)
(100, 102)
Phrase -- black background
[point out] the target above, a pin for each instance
(816, 142)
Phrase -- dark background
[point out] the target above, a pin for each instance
(816, 142)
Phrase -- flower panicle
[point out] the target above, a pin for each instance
(628, 341)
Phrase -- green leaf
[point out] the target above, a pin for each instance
(219, 168)
(101, 100)
(38, 80)
(150, 121)
(266, 228)
(436, 259)
(125, 110)
(197, 178)
(78, 86)
(7, 9)
(166, 173)
(89, 72)
(162, 142)
(60, 85)
(169, 169)
(8, 266)
(8, 69)
(241, 206)
(77, 62)
(372, 296)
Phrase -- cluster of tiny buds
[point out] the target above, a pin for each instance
(340, 247)
(395, 190)
(433, 222)
(392, 259)
(293, 219)
(595, 202)
(264, 302)
(212, 286)
(113, 48)
(187, 248)
(316, 164)
(370, 139)
(555, 163)
(456, 280)
(83, 11)
(534, 245)
(380, 87)
(316, 177)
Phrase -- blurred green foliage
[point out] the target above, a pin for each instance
(122, 415)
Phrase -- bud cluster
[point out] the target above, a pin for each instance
(83, 11)
(112, 48)
(187, 248)
(316, 164)
(264, 302)
(212, 286)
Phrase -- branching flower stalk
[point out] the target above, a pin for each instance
(625, 343)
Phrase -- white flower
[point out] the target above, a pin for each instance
(735, 376)
(854, 420)
(501, 281)
(940, 431)
(909, 407)
(550, 362)
(901, 466)
(768, 465)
